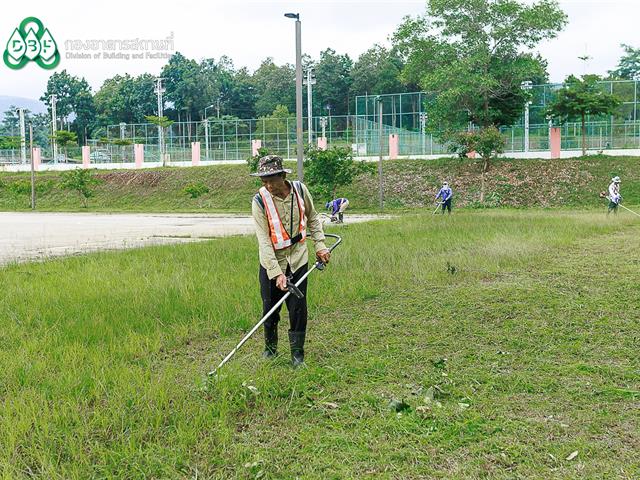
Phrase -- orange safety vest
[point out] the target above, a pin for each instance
(279, 235)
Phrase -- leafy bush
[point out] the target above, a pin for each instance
(23, 187)
(9, 143)
(327, 170)
(488, 142)
(196, 190)
(252, 161)
(82, 182)
(462, 143)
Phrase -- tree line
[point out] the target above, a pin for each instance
(470, 57)
(223, 90)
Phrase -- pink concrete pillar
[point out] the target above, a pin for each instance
(37, 158)
(255, 146)
(138, 153)
(554, 142)
(322, 143)
(85, 156)
(394, 146)
(195, 153)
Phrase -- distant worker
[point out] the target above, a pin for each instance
(614, 195)
(446, 194)
(337, 207)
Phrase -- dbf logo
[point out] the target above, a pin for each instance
(31, 42)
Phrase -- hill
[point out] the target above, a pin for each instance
(409, 184)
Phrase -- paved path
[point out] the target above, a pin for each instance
(25, 236)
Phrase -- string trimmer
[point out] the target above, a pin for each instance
(292, 289)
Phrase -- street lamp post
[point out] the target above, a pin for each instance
(423, 129)
(299, 145)
(159, 90)
(526, 85)
(23, 141)
(54, 128)
(309, 81)
(380, 177)
(206, 132)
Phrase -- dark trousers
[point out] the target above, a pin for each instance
(271, 295)
(446, 205)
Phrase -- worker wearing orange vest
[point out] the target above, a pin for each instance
(284, 216)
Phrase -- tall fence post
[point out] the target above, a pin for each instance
(195, 153)
(256, 145)
(554, 142)
(394, 146)
(85, 156)
(138, 153)
(37, 158)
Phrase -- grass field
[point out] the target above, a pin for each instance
(509, 339)
(409, 184)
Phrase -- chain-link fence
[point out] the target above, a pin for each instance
(403, 114)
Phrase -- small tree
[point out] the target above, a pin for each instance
(487, 142)
(162, 123)
(579, 98)
(64, 138)
(82, 182)
(196, 190)
(9, 143)
(327, 170)
(253, 160)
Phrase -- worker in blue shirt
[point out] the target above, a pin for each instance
(445, 194)
(337, 207)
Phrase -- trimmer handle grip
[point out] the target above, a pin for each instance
(320, 265)
(293, 289)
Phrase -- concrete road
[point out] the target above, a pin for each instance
(26, 236)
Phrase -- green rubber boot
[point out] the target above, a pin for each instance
(296, 341)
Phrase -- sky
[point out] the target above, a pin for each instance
(249, 31)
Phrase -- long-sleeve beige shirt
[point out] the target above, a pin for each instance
(275, 261)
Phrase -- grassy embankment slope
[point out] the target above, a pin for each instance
(409, 184)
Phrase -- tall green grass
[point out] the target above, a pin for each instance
(530, 348)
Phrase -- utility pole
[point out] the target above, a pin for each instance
(206, 139)
(423, 129)
(54, 128)
(159, 90)
(381, 187)
(323, 124)
(299, 145)
(309, 81)
(23, 140)
(526, 86)
(206, 128)
(33, 171)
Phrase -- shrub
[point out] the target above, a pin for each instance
(328, 170)
(253, 160)
(196, 190)
(81, 181)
